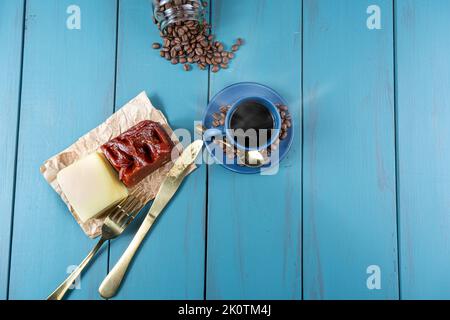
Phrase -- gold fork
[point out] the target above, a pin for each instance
(116, 222)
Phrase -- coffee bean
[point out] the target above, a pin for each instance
(215, 69)
(283, 135)
(222, 122)
(187, 67)
(235, 48)
(199, 51)
(230, 55)
(224, 66)
(288, 123)
(282, 107)
(174, 61)
(216, 116)
(216, 123)
(156, 45)
(183, 60)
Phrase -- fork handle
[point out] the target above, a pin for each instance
(60, 292)
(112, 282)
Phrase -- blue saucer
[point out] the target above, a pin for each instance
(230, 95)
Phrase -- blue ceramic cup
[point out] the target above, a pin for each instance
(227, 131)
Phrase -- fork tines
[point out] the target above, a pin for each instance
(128, 208)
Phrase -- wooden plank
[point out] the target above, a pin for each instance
(170, 264)
(349, 151)
(423, 47)
(68, 88)
(254, 222)
(11, 31)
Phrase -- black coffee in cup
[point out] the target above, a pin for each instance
(252, 124)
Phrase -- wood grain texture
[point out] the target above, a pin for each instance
(254, 222)
(170, 263)
(423, 68)
(11, 31)
(349, 151)
(254, 248)
(68, 88)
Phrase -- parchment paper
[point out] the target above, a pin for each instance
(135, 111)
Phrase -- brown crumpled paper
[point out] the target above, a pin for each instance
(135, 111)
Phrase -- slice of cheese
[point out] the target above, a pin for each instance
(91, 186)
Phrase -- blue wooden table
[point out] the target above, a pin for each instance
(360, 208)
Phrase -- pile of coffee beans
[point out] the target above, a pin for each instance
(219, 117)
(191, 42)
(219, 120)
(286, 124)
(286, 120)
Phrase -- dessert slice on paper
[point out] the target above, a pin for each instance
(135, 111)
(139, 151)
(91, 185)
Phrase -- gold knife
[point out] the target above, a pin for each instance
(170, 185)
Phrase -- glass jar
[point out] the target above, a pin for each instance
(167, 12)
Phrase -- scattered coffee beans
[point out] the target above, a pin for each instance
(190, 42)
(286, 120)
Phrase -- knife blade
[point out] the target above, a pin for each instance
(168, 188)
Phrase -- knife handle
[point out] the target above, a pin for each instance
(112, 282)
